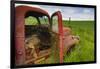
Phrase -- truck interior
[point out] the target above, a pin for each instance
(37, 37)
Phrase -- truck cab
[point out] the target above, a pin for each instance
(33, 37)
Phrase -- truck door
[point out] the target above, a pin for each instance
(57, 27)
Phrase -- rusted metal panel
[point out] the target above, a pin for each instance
(60, 28)
(19, 38)
(20, 12)
(20, 51)
(60, 25)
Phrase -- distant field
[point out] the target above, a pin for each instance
(84, 51)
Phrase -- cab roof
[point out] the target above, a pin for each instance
(31, 11)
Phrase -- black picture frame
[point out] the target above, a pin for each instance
(45, 3)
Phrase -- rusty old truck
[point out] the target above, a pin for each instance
(33, 42)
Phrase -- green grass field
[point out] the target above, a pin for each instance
(84, 51)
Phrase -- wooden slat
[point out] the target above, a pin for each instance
(35, 59)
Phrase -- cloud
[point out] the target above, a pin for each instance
(28, 5)
(76, 13)
(86, 11)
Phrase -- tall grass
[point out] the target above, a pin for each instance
(84, 51)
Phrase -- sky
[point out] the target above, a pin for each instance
(75, 13)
